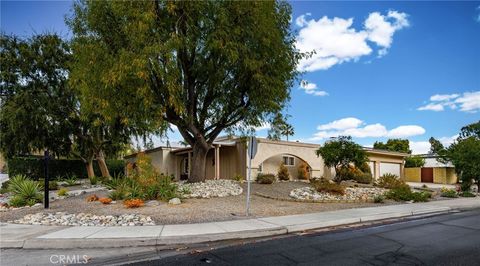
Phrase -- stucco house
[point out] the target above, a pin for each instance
(432, 171)
(228, 158)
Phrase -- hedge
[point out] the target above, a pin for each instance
(58, 168)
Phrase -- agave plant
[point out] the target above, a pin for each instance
(24, 190)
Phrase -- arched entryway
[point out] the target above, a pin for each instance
(293, 163)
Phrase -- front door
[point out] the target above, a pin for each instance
(427, 174)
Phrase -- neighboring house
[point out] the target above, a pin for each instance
(432, 171)
(228, 158)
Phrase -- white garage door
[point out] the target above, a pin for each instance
(390, 168)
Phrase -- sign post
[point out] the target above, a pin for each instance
(46, 157)
(252, 150)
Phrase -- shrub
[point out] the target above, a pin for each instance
(404, 193)
(62, 192)
(133, 203)
(93, 180)
(105, 200)
(303, 171)
(283, 173)
(324, 185)
(448, 193)
(364, 178)
(465, 185)
(25, 191)
(379, 199)
(414, 161)
(390, 181)
(238, 178)
(467, 194)
(71, 180)
(266, 178)
(117, 195)
(92, 198)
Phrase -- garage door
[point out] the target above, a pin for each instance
(390, 168)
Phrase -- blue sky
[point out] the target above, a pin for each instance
(381, 69)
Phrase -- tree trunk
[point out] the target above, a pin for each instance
(102, 164)
(199, 160)
(89, 165)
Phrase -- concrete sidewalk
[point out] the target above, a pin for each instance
(44, 237)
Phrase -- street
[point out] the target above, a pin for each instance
(452, 239)
(449, 239)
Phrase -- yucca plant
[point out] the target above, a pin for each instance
(71, 180)
(25, 191)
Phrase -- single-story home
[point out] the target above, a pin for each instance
(432, 171)
(228, 158)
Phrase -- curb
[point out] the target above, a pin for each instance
(56, 243)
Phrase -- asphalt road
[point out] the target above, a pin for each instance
(451, 239)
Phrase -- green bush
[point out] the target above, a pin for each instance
(24, 190)
(4, 188)
(448, 193)
(62, 192)
(118, 194)
(414, 161)
(404, 193)
(390, 181)
(71, 180)
(238, 178)
(467, 194)
(93, 180)
(283, 173)
(379, 199)
(465, 186)
(324, 185)
(364, 178)
(33, 167)
(266, 178)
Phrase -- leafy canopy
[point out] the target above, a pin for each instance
(414, 161)
(398, 145)
(341, 152)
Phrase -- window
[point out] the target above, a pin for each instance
(260, 168)
(185, 165)
(288, 160)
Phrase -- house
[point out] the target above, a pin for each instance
(228, 158)
(432, 171)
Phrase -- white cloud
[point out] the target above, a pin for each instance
(423, 147)
(264, 126)
(355, 127)
(443, 97)
(467, 102)
(311, 88)
(406, 131)
(334, 41)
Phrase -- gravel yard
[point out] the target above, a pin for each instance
(194, 210)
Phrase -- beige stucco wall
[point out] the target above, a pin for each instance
(413, 174)
(444, 175)
(267, 149)
(378, 158)
(162, 160)
(272, 165)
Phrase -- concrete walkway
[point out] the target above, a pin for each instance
(55, 237)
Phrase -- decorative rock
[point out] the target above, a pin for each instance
(174, 201)
(152, 203)
(351, 194)
(210, 188)
(82, 219)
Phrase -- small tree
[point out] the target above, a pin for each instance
(340, 153)
(414, 161)
(303, 171)
(283, 173)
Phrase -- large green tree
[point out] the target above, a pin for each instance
(203, 66)
(340, 153)
(464, 153)
(398, 145)
(40, 109)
